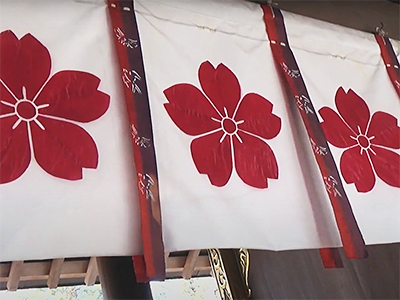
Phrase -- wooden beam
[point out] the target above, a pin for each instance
(15, 275)
(92, 272)
(190, 263)
(55, 272)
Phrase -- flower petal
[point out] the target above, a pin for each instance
(353, 109)
(6, 97)
(336, 131)
(73, 95)
(356, 168)
(15, 154)
(213, 158)
(190, 110)
(221, 86)
(254, 160)
(256, 112)
(387, 165)
(63, 148)
(385, 130)
(24, 63)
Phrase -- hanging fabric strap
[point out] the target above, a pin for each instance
(127, 42)
(350, 234)
(390, 60)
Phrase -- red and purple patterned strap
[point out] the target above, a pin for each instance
(350, 234)
(390, 60)
(151, 266)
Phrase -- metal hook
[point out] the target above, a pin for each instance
(380, 31)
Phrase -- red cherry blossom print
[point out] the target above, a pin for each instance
(230, 131)
(367, 141)
(36, 111)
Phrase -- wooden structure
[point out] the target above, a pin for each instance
(78, 271)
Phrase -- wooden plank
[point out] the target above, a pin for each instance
(34, 278)
(175, 262)
(5, 269)
(55, 272)
(75, 266)
(15, 275)
(45, 277)
(190, 263)
(92, 272)
(36, 268)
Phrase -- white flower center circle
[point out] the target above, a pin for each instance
(363, 141)
(26, 110)
(229, 126)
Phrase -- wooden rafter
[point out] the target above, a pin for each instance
(190, 264)
(55, 272)
(15, 275)
(92, 272)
